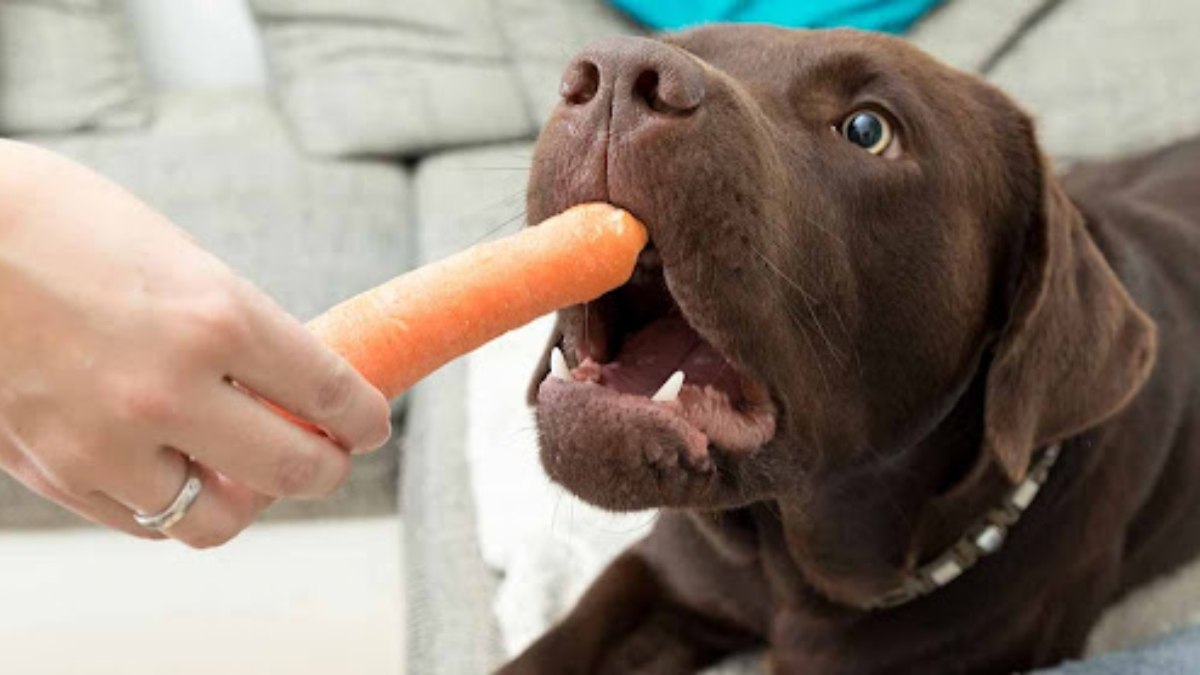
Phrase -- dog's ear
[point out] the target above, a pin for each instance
(1075, 348)
(543, 366)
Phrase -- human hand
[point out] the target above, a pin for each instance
(119, 344)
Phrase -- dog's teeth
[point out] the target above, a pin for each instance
(670, 389)
(558, 365)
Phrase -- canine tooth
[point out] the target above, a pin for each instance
(558, 365)
(670, 389)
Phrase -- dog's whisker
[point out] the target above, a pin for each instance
(813, 348)
(837, 315)
(519, 216)
(461, 169)
(804, 333)
(803, 329)
(557, 503)
(808, 303)
(845, 331)
(465, 218)
(820, 227)
(833, 351)
(515, 194)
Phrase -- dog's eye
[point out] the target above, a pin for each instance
(868, 130)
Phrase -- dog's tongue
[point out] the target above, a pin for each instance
(648, 357)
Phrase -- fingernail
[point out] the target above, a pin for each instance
(377, 441)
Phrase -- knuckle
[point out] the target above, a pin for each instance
(336, 392)
(215, 322)
(144, 402)
(295, 473)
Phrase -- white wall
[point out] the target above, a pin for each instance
(198, 43)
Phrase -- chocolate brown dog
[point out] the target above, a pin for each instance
(894, 326)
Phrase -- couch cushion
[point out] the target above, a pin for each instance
(404, 76)
(391, 77)
(1100, 78)
(462, 198)
(308, 232)
(1105, 78)
(967, 33)
(545, 34)
(221, 165)
(465, 197)
(68, 64)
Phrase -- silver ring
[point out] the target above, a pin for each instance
(174, 513)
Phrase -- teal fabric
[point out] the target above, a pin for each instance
(889, 16)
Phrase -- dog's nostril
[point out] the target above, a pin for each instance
(645, 87)
(667, 95)
(580, 83)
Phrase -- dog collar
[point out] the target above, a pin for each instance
(984, 537)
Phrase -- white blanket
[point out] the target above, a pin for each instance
(547, 544)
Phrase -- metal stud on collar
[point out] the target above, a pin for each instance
(985, 537)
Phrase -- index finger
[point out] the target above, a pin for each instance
(285, 364)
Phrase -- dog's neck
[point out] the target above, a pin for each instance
(915, 526)
(984, 537)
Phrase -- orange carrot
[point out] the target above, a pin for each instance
(401, 331)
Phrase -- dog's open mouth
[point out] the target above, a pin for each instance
(632, 359)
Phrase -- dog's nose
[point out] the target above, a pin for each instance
(639, 78)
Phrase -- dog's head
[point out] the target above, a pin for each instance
(850, 241)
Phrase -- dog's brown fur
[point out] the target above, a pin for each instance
(924, 323)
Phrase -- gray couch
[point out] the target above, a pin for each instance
(397, 131)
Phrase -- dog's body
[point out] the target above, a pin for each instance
(919, 345)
